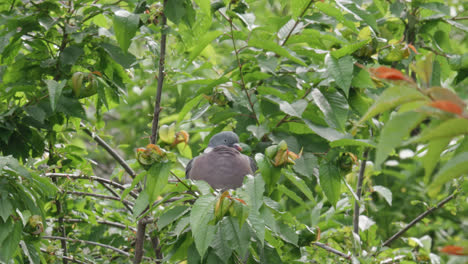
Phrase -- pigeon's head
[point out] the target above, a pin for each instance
(225, 138)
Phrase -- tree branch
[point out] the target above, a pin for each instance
(297, 22)
(161, 74)
(88, 242)
(94, 178)
(331, 250)
(239, 64)
(109, 150)
(362, 170)
(419, 218)
(108, 197)
(104, 222)
(72, 259)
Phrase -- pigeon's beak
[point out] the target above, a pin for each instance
(238, 147)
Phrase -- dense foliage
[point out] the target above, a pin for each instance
(355, 112)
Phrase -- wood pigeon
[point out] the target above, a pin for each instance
(221, 165)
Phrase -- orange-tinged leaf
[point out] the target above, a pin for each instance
(413, 48)
(388, 73)
(97, 73)
(240, 200)
(447, 106)
(455, 250)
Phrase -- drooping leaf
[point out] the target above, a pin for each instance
(447, 106)
(330, 181)
(341, 70)
(390, 98)
(455, 167)
(125, 27)
(432, 157)
(272, 46)
(447, 129)
(384, 192)
(55, 92)
(300, 184)
(394, 132)
(202, 213)
(157, 179)
(349, 49)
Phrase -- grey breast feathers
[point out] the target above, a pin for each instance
(223, 168)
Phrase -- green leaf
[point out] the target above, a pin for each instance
(175, 10)
(335, 110)
(55, 91)
(125, 27)
(126, 59)
(352, 142)
(288, 234)
(254, 187)
(394, 132)
(454, 168)
(327, 133)
(349, 49)
(6, 209)
(205, 6)
(202, 213)
(70, 55)
(257, 223)
(306, 164)
(221, 246)
(341, 70)
(237, 238)
(298, 7)
(189, 106)
(362, 14)
(71, 107)
(140, 204)
(330, 181)
(171, 216)
(300, 184)
(135, 181)
(390, 98)
(202, 43)
(432, 157)
(157, 179)
(384, 192)
(291, 194)
(448, 129)
(272, 46)
(7, 250)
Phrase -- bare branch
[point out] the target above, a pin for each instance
(108, 197)
(331, 250)
(297, 22)
(362, 169)
(109, 150)
(72, 259)
(419, 218)
(88, 242)
(104, 222)
(95, 178)
(161, 73)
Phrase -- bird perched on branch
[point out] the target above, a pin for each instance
(221, 165)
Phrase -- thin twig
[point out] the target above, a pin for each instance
(161, 74)
(460, 18)
(239, 64)
(362, 170)
(331, 250)
(95, 178)
(88, 242)
(104, 222)
(297, 22)
(72, 259)
(419, 218)
(189, 189)
(109, 150)
(108, 197)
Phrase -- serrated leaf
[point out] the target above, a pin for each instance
(384, 192)
(390, 98)
(238, 238)
(55, 92)
(448, 129)
(257, 223)
(455, 167)
(306, 164)
(394, 132)
(330, 181)
(202, 43)
(125, 27)
(334, 107)
(171, 215)
(272, 46)
(341, 70)
(202, 213)
(255, 187)
(300, 184)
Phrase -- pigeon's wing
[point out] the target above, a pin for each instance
(253, 165)
(188, 168)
